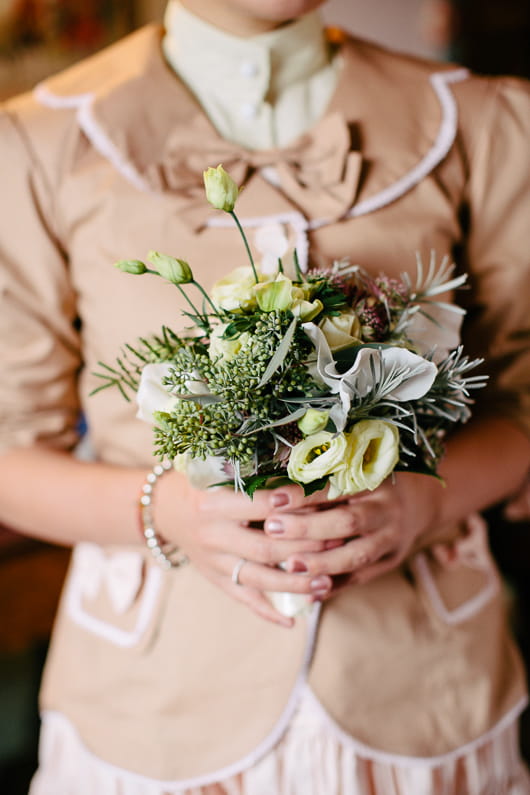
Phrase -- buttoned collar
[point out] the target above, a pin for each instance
(243, 70)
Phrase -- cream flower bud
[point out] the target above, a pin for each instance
(174, 270)
(316, 456)
(313, 421)
(134, 266)
(274, 296)
(307, 310)
(372, 453)
(221, 190)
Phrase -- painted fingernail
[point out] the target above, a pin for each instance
(279, 499)
(320, 585)
(274, 526)
(298, 567)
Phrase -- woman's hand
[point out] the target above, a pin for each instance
(366, 535)
(216, 528)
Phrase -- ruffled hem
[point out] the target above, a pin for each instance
(311, 759)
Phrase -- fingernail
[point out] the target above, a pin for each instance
(320, 585)
(298, 567)
(317, 595)
(279, 499)
(274, 526)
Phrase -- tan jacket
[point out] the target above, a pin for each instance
(175, 680)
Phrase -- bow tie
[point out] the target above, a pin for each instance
(319, 173)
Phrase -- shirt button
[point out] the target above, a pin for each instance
(248, 69)
(248, 110)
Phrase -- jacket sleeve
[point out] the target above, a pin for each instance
(39, 341)
(497, 249)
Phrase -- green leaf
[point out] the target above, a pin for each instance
(315, 485)
(279, 354)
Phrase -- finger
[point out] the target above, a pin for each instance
(519, 508)
(229, 536)
(337, 521)
(350, 557)
(259, 603)
(267, 578)
(288, 498)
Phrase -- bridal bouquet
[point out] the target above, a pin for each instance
(317, 380)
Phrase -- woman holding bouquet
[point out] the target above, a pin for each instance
(185, 679)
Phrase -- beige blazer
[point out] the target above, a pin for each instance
(175, 680)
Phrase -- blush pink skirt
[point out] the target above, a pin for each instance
(311, 759)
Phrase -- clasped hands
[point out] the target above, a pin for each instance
(323, 545)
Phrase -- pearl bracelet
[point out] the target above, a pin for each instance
(166, 553)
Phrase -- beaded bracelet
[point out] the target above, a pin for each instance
(166, 553)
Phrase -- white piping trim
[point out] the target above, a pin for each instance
(120, 637)
(247, 761)
(101, 142)
(403, 761)
(464, 611)
(444, 140)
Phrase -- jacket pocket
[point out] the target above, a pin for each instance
(459, 579)
(115, 593)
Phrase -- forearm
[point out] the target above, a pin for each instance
(486, 462)
(51, 495)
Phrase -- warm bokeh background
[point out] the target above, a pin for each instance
(39, 37)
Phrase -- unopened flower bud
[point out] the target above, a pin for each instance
(221, 190)
(174, 270)
(313, 421)
(133, 266)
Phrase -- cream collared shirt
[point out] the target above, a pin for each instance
(260, 92)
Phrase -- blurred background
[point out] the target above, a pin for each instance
(40, 37)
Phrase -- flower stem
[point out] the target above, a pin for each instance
(206, 297)
(245, 241)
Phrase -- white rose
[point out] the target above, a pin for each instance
(342, 330)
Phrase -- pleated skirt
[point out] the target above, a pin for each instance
(310, 759)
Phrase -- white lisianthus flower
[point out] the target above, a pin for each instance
(372, 452)
(152, 395)
(405, 375)
(316, 456)
(342, 330)
(234, 291)
(226, 349)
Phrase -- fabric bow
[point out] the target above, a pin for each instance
(318, 173)
(120, 572)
